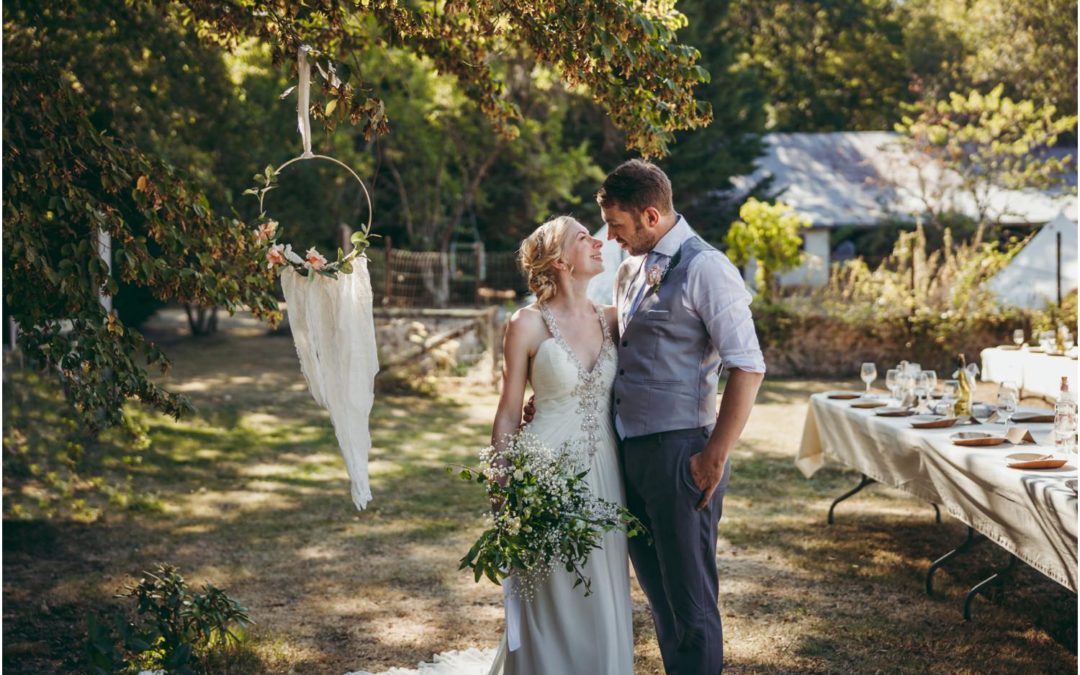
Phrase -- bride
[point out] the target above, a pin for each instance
(564, 346)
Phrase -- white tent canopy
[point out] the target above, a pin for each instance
(1030, 280)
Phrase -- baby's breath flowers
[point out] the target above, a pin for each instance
(544, 514)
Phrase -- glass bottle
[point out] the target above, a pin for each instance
(962, 407)
(1065, 419)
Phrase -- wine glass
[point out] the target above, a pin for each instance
(892, 381)
(868, 373)
(949, 389)
(1007, 399)
(1018, 337)
(931, 381)
(1046, 340)
(922, 389)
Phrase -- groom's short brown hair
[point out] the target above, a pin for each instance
(634, 186)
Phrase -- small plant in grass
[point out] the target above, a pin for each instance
(175, 630)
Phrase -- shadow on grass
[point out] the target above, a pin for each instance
(255, 499)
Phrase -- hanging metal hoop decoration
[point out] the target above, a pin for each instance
(282, 254)
(343, 165)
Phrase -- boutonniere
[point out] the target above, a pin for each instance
(655, 275)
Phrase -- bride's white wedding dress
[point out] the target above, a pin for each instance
(560, 631)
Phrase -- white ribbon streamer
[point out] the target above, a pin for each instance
(303, 118)
(512, 602)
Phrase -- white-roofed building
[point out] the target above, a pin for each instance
(867, 178)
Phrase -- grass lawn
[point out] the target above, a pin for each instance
(251, 495)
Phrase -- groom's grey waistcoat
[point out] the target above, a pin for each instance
(668, 367)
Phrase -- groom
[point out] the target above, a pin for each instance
(684, 314)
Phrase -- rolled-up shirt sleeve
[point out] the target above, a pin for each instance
(717, 294)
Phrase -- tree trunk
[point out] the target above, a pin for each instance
(202, 320)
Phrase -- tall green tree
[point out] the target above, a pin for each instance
(84, 155)
(837, 65)
(1028, 47)
(702, 160)
(967, 147)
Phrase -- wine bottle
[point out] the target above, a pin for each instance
(963, 397)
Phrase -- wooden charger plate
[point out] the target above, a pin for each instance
(894, 412)
(1030, 460)
(842, 395)
(932, 421)
(974, 439)
(869, 404)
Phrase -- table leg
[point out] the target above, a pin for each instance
(863, 483)
(995, 580)
(972, 539)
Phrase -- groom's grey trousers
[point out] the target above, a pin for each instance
(677, 569)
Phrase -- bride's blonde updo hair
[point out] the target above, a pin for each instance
(539, 252)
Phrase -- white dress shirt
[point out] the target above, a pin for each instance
(716, 294)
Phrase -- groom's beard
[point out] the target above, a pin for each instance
(641, 244)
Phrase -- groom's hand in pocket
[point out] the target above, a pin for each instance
(529, 411)
(707, 474)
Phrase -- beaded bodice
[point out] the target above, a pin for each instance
(564, 387)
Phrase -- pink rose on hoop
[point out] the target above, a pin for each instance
(266, 231)
(314, 260)
(275, 256)
(280, 256)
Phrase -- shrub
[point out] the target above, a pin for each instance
(918, 305)
(175, 630)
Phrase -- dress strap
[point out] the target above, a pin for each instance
(549, 321)
(603, 325)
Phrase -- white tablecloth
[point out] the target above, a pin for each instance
(1038, 374)
(883, 448)
(1031, 514)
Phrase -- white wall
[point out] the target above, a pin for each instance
(814, 271)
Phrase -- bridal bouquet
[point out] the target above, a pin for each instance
(545, 514)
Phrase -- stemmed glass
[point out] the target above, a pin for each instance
(868, 373)
(1007, 399)
(949, 388)
(892, 381)
(1018, 337)
(931, 381)
(922, 389)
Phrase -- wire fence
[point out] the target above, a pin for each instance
(464, 277)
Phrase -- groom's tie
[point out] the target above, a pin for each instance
(641, 284)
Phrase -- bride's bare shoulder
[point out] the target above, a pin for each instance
(527, 325)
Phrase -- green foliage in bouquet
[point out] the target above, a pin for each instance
(178, 630)
(544, 514)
